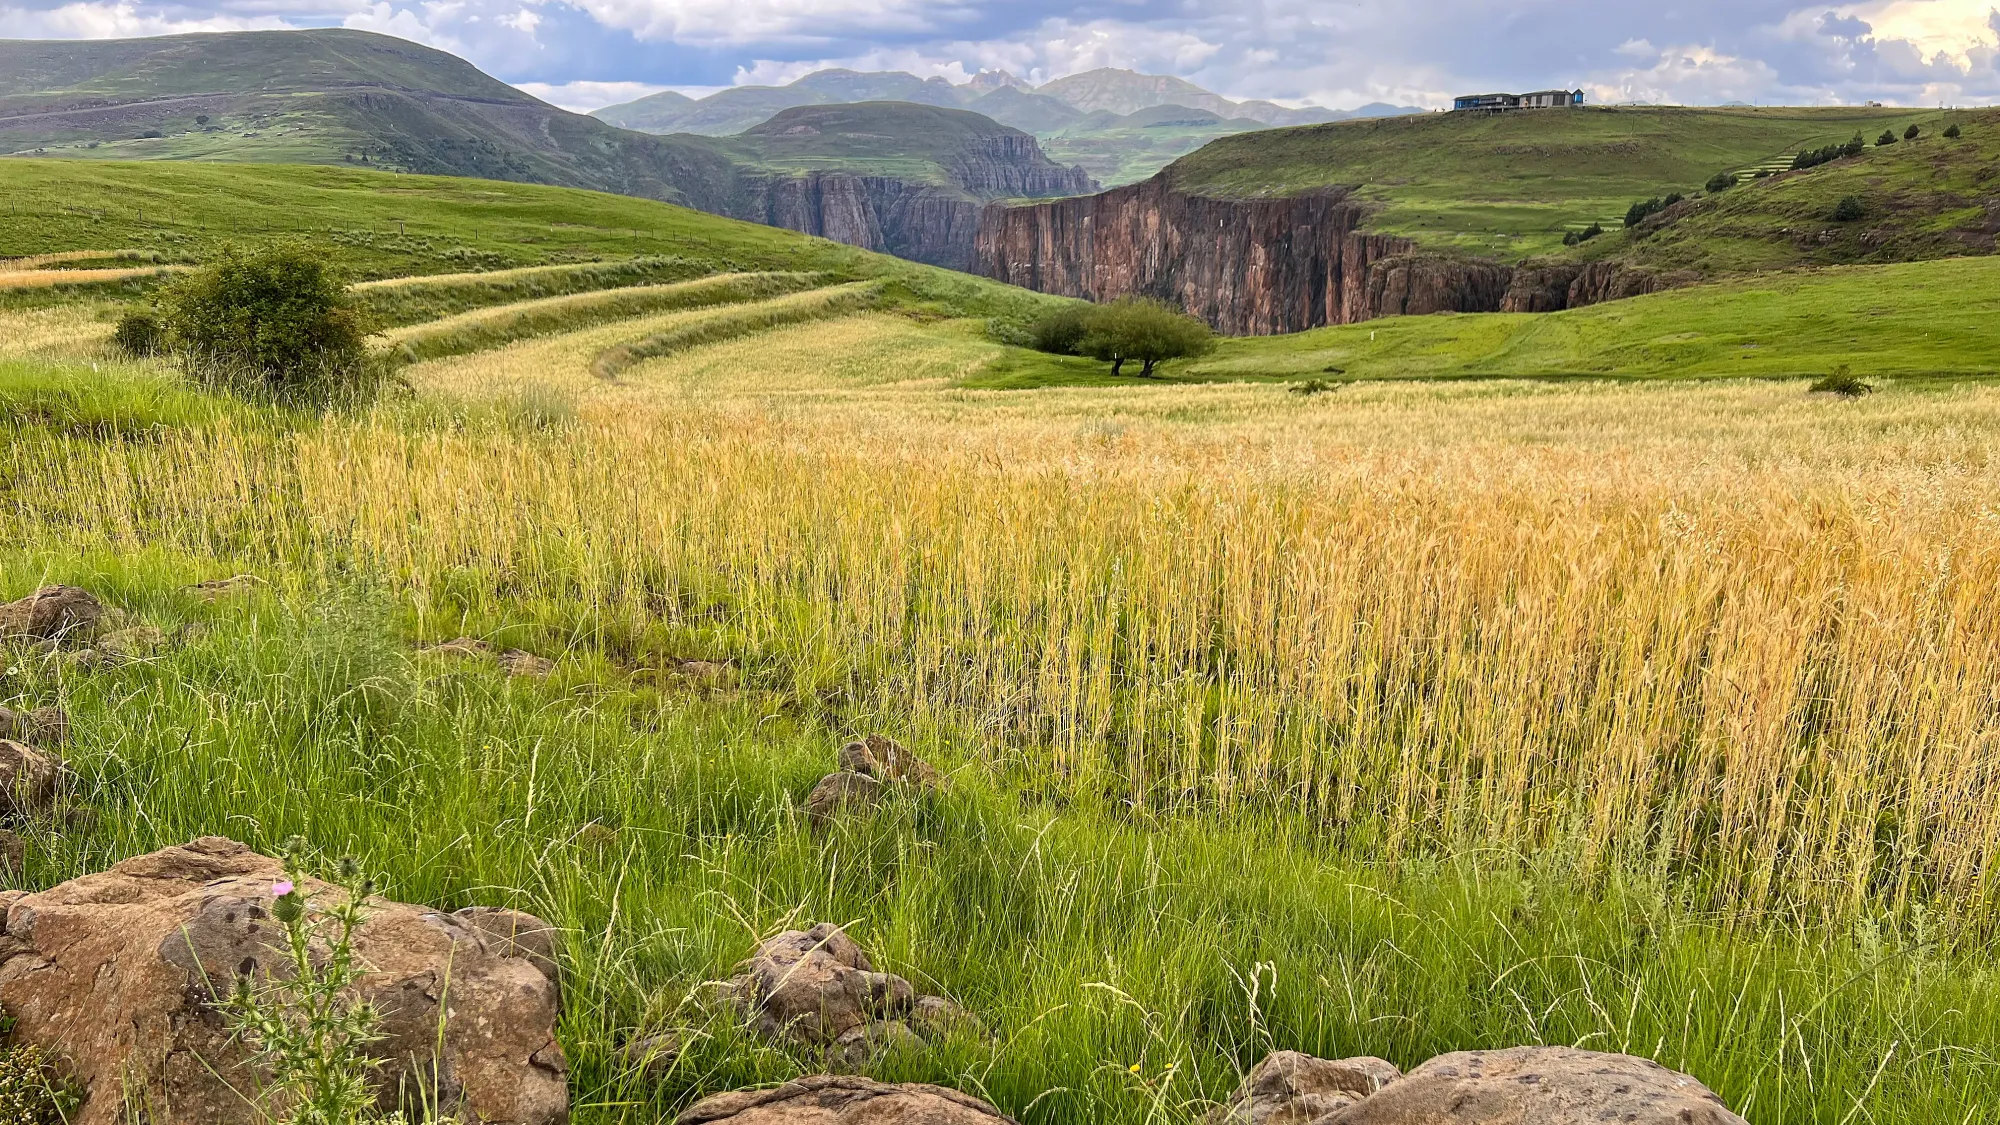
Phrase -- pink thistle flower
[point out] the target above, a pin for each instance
(281, 888)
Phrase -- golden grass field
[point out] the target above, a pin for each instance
(1725, 634)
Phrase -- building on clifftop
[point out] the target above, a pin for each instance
(1501, 103)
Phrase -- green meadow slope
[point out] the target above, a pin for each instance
(1921, 322)
(386, 225)
(1511, 185)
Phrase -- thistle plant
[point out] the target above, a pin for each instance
(306, 1026)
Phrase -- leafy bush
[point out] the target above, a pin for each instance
(1721, 181)
(1313, 387)
(1578, 237)
(1842, 383)
(1848, 209)
(1061, 332)
(1146, 330)
(1887, 138)
(140, 334)
(1644, 209)
(1951, 131)
(276, 322)
(1912, 133)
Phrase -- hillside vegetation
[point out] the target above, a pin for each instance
(1511, 185)
(1420, 715)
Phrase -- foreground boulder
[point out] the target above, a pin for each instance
(52, 613)
(1539, 1086)
(828, 1099)
(1291, 1088)
(116, 973)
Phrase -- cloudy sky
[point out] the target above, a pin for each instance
(1339, 53)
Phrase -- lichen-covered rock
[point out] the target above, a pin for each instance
(829, 1099)
(1539, 1086)
(512, 933)
(1292, 1088)
(812, 986)
(843, 792)
(885, 759)
(28, 778)
(43, 726)
(118, 971)
(52, 613)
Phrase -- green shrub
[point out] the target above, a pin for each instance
(1887, 138)
(1061, 332)
(276, 322)
(1842, 383)
(140, 334)
(1143, 329)
(1721, 181)
(1951, 131)
(1848, 209)
(1912, 133)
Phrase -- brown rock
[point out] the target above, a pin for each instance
(28, 778)
(136, 642)
(859, 1046)
(838, 792)
(218, 588)
(1539, 1086)
(43, 726)
(829, 1099)
(461, 646)
(815, 985)
(885, 759)
(52, 613)
(115, 971)
(512, 933)
(1290, 1088)
(651, 1057)
(13, 852)
(937, 1017)
(515, 662)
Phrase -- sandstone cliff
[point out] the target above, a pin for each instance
(1267, 265)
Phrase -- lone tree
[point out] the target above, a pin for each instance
(1142, 329)
(1952, 131)
(1887, 138)
(1912, 133)
(1721, 181)
(1848, 209)
(276, 322)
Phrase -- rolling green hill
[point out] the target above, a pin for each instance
(381, 225)
(326, 96)
(1511, 185)
(914, 143)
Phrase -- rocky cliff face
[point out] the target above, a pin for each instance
(925, 222)
(1263, 266)
(1249, 267)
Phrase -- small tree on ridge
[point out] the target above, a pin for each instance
(1142, 329)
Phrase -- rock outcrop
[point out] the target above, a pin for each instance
(1291, 1088)
(869, 770)
(42, 726)
(816, 988)
(28, 778)
(829, 1099)
(1265, 265)
(52, 613)
(1538, 1086)
(117, 974)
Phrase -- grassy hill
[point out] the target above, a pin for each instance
(904, 140)
(325, 96)
(1511, 185)
(384, 225)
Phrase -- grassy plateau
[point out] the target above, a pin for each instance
(1640, 711)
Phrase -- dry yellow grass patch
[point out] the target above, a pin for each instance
(519, 273)
(566, 303)
(48, 279)
(65, 332)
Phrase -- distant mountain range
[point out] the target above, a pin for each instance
(906, 178)
(1118, 125)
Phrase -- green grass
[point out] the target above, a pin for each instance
(1511, 185)
(1129, 965)
(381, 224)
(1918, 321)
